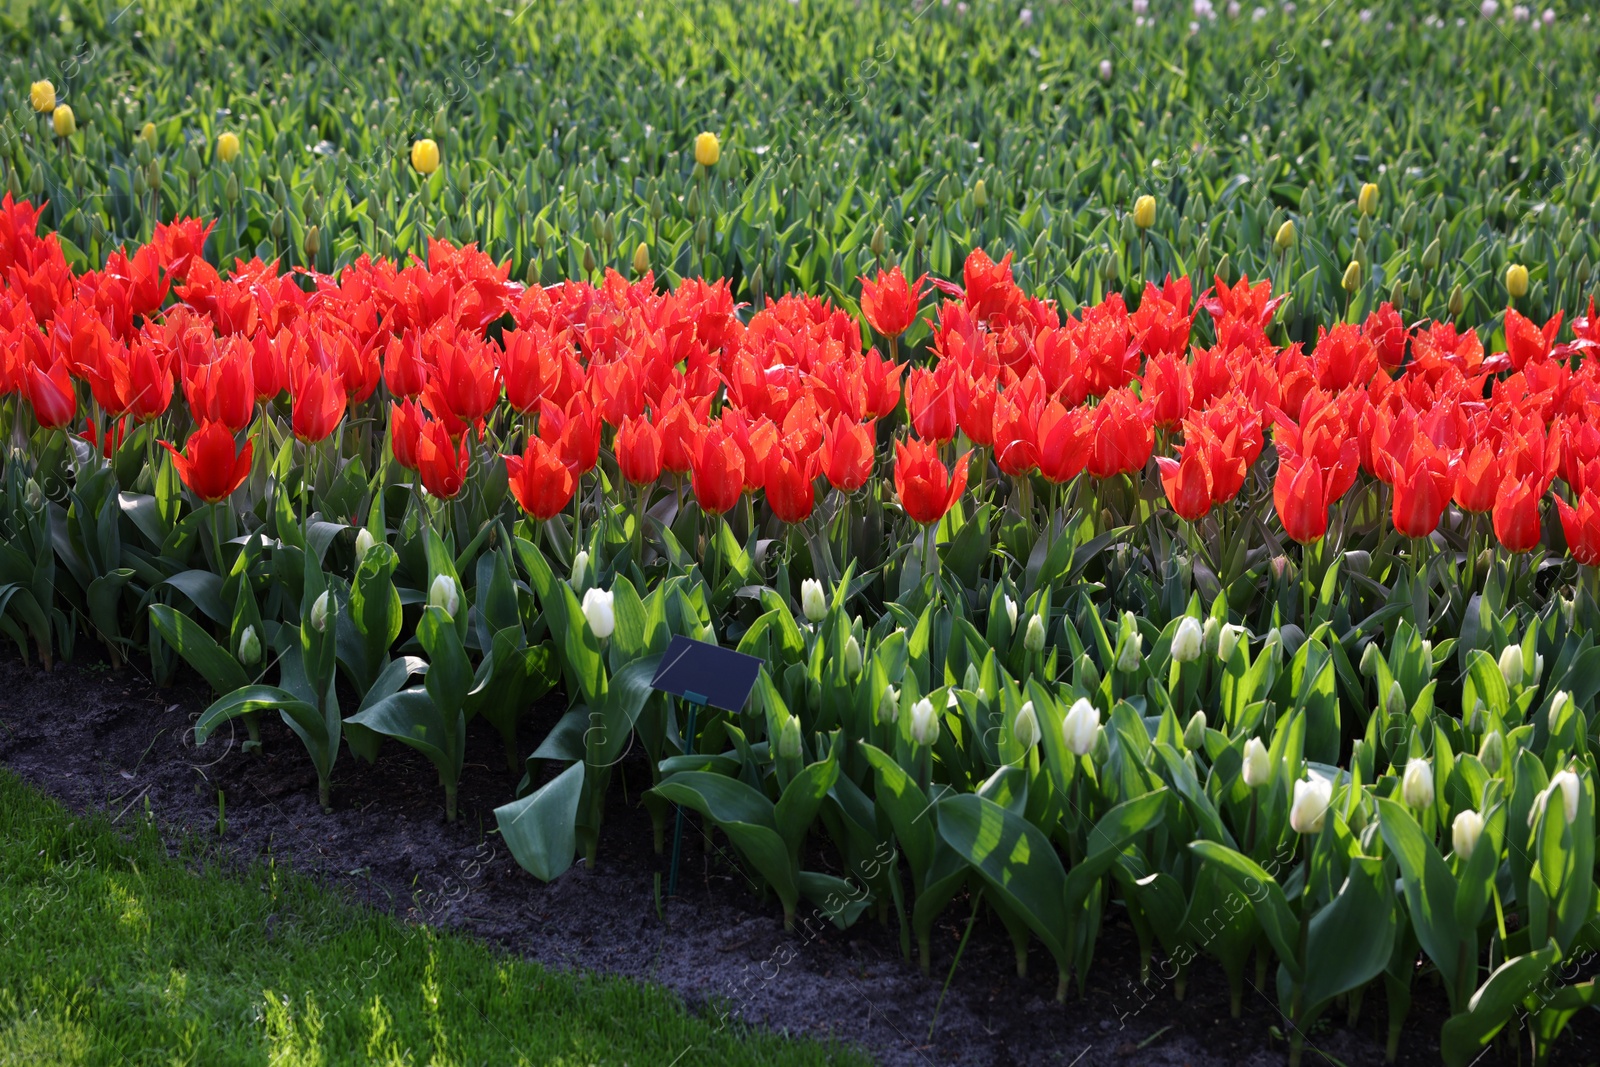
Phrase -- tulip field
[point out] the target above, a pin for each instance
(1153, 512)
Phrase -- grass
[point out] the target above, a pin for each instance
(114, 952)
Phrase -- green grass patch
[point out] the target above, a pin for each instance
(114, 952)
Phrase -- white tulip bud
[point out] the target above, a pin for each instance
(1033, 639)
(364, 542)
(924, 723)
(1416, 785)
(1475, 720)
(1464, 833)
(1079, 727)
(1257, 763)
(444, 593)
(249, 647)
(889, 705)
(1310, 807)
(33, 496)
(1492, 752)
(852, 656)
(1394, 702)
(1511, 665)
(319, 613)
(1025, 727)
(1427, 652)
(580, 567)
(1187, 640)
(1538, 670)
(1571, 790)
(1370, 660)
(1131, 654)
(1228, 640)
(1209, 632)
(1558, 704)
(1105, 70)
(812, 600)
(597, 609)
(789, 738)
(1011, 613)
(1194, 734)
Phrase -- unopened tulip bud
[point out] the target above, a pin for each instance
(924, 722)
(249, 647)
(1394, 701)
(1416, 785)
(65, 123)
(1475, 720)
(1105, 71)
(319, 613)
(228, 147)
(1187, 640)
(889, 705)
(1558, 704)
(813, 601)
(1492, 752)
(313, 242)
(1208, 635)
(1285, 236)
(1370, 660)
(641, 260)
(445, 595)
(789, 738)
(1144, 212)
(42, 95)
(1352, 277)
(1310, 807)
(1464, 833)
(1538, 670)
(1257, 763)
(1517, 281)
(597, 609)
(1566, 782)
(1033, 637)
(1367, 201)
(365, 542)
(1011, 613)
(707, 149)
(147, 133)
(33, 495)
(1131, 654)
(425, 156)
(1228, 640)
(580, 568)
(1078, 729)
(1025, 727)
(1194, 734)
(1102, 746)
(852, 656)
(1511, 665)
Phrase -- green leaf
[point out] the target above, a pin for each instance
(198, 649)
(540, 829)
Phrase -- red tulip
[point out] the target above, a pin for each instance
(318, 403)
(574, 432)
(149, 379)
(847, 452)
(638, 451)
(718, 471)
(1122, 436)
(223, 390)
(1300, 495)
(539, 480)
(1016, 452)
(1581, 524)
(1168, 387)
(931, 403)
(975, 399)
(1187, 482)
(51, 394)
(926, 490)
(1164, 318)
(679, 428)
(1478, 480)
(889, 303)
(441, 463)
(1062, 441)
(404, 372)
(405, 430)
(1388, 334)
(210, 465)
(1527, 343)
(1422, 481)
(616, 390)
(1517, 521)
(789, 481)
(466, 380)
(116, 433)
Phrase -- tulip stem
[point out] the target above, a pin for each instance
(638, 533)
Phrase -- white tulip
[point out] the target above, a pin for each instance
(444, 593)
(1538, 670)
(1416, 786)
(1228, 640)
(1395, 701)
(1558, 704)
(1492, 752)
(1011, 613)
(1105, 70)
(1257, 763)
(789, 738)
(364, 543)
(924, 723)
(580, 568)
(1475, 720)
(1571, 789)
(1187, 640)
(598, 610)
(1464, 833)
(319, 613)
(889, 705)
(1210, 631)
(1511, 665)
(852, 656)
(1025, 728)
(249, 647)
(1194, 734)
(1033, 639)
(1079, 727)
(1310, 808)
(812, 600)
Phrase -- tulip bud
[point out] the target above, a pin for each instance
(1025, 727)
(1078, 729)
(444, 594)
(1475, 720)
(228, 147)
(1228, 640)
(852, 656)
(789, 738)
(1085, 673)
(1571, 790)
(889, 705)
(1517, 281)
(1416, 785)
(1431, 254)
(1558, 704)
(707, 149)
(1131, 654)
(33, 495)
(1458, 301)
(1011, 613)
(425, 156)
(364, 543)
(812, 600)
(1208, 635)
(1367, 201)
(1144, 212)
(249, 647)
(1538, 670)
(924, 723)
(42, 94)
(1394, 701)
(1352, 277)
(598, 611)
(1257, 763)
(1194, 734)
(580, 567)
(1310, 807)
(1102, 746)
(1187, 640)
(65, 123)
(980, 194)
(319, 613)
(1105, 71)
(1370, 659)
(1285, 236)
(1492, 752)
(1464, 834)
(641, 260)
(1511, 665)
(1033, 637)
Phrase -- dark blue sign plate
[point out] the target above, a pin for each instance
(707, 674)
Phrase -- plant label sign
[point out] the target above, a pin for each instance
(708, 675)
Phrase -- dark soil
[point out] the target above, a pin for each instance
(108, 740)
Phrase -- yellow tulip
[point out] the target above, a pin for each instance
(65, 122)
(43, 96)
(1517, 281)
(707, 149)
(641, 259)
(228, 147)
(147, 132)
(1367, 202)
(425, 156)
(1285, 236)
(1352, 277)
(1144, 212)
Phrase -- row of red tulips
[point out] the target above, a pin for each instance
(688, 387)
